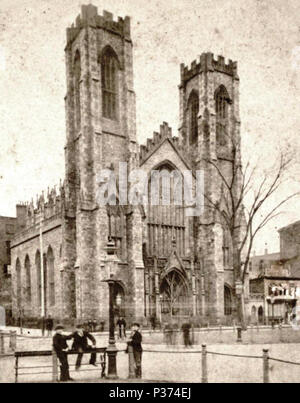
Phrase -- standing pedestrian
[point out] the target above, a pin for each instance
(61, 347)
(135, 341)
(168, 334)
(49, 325)
(186, 327)
(80, 344)
(153, 322)
(122, 327)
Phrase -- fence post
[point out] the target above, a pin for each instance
(1, 343)
(204, 364)
(280, 332)
(239, 334)
(13, 340)
(266, 366)
(131, 365)
(54, 366)
(16, 368)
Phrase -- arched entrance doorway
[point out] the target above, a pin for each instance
(174, 297)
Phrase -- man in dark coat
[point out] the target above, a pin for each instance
(80, 344)
(186, 327)
(135, 341)
(122, 327)
(61, 347)
(49, 325)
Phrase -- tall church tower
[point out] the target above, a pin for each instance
(209, 126)
(101, 132)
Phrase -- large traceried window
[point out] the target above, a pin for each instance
(193, 110)
(166, 215)
(109, 80)
(222, 101)
(77, 77)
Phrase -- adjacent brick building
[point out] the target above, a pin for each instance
(8, 227)
(275, 279)
(168, 265)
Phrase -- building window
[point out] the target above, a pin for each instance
(7, 243)
(222, 101)
(38, 277)
(109, 80)
(116, 228)
(227, 301)
(193, 110)
(19, 283)
(166, 217)
(28, 280)
(51, 276)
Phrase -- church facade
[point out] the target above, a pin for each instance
(166, 264)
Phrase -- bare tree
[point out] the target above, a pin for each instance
(243, 219)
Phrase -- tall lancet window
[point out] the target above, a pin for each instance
(109, 80)
(193, 109)
(222, 101)
(77, 75)
(166, 215)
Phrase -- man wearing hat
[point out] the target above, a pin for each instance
(61, 347)
(135, 341)
(80, 344)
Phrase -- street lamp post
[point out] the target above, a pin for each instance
(111, 349)
(239, 290)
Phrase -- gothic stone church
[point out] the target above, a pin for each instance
(165, 264)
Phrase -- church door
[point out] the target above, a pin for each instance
(174, 296)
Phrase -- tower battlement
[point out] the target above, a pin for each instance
(89, 17)
(207, 62)
(46, 206)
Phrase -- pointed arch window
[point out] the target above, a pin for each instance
(166, 217)
(227, 301)
(109, 80)
(51, 276)
(28, 279)
(193, 110)
(38, 277)
(77, 75)
(116, 228)
(222, 101)
(19, 283)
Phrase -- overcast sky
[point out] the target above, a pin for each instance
(263, 36)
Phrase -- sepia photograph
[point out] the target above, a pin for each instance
(150, 194)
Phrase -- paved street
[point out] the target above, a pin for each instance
(180, 365)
